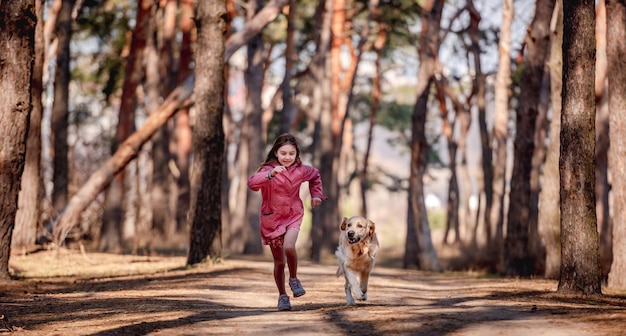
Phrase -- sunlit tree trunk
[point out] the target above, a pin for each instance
(17, 50)
(323, 147)
(289, 111)
(183, 125)
(60, 107)
(501, 128)
(616, 56)
(549, 200)
(31, 193)
(602, 143)
(419, 249)
(113, 217)
(452, 212)
(208, 135)
(481, 104)
(379, 44)
(251, 148)
(536, 248)
(580, 271)
(156, 86)
(517, 257)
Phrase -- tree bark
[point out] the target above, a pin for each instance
(208, 135)
(616, 56)
(549, 199)
(251, 149)
(323, 148)
(602, 144)
(501, 129)
(419, 249)
(29, 202)
(379, 43)
(481, 103)
(183, 125)
(60, 106)
(580, 271)
(113, 217)
(517, 258)
(17, 49)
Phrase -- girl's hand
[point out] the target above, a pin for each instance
(315, 201)
(277, 170)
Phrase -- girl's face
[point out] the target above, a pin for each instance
(286, 155)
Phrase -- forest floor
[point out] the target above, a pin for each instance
(74, 293)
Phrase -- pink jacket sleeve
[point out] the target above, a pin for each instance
(315, 182)
(259, 179)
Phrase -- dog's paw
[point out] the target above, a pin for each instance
(350, 302)
(363, 297)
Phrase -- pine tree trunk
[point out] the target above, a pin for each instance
(183, 125)
(251, 153)
(419, 250)
(580, 271)
(616, 55)
(17, 49)
(323, 148)
(602, 144)
(31, 193)
(113, 217)
(549, 199)
(517, 257)
(208, 135)
(60, 106)
(501, 129)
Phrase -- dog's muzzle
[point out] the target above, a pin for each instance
(352, 239)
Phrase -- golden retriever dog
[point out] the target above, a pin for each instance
(356, 254)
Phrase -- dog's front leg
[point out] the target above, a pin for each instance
(349, 298)
(353, 280)
(364, 281)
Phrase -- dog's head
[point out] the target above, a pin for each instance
(357, 228)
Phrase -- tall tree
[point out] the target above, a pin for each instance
(419, 250)
(29, 201)
(580, 270)
(183, 126)
(60, 107)
(517, 257)
(208, 135)
(113, 217)
(252, 146)
(616, 56)
(17, 49)
(549, 200)
(479, 87)
(500, 126)
(320, 110)
(602, 143)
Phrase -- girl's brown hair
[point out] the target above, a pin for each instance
(282, 140)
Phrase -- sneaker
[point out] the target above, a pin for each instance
(296, 287)
(283, 302)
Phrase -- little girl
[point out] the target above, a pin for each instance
(279, 178)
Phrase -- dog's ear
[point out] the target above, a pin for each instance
(371, 227)
(343, 224)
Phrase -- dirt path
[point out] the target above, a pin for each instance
(238, 297)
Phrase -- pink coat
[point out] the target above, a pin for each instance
(282, 207)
